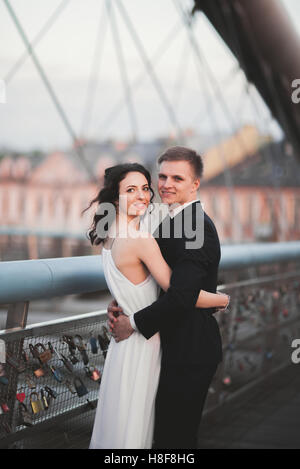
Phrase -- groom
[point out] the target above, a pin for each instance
(190, 338)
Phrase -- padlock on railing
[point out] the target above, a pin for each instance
(69, 340)
(24, 356)
(56, 373)
(82, 348)
(29, 381)
(80, 387)
(33, 351)
(36, 405)
(43, 356)
(4, 407)
(104, 340)
(50, 392)
(93, 373)
(70, 386)
(21, 396)
(45, 400)
(39, 372)
(25, 418)
(68, 364)
(93, 344)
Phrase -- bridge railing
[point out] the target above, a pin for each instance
(257, 332)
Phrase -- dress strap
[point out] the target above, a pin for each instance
(109, 247)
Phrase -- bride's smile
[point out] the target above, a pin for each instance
(134, 195)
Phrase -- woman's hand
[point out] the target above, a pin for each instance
(113, 311)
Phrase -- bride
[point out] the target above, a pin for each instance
(135, 271)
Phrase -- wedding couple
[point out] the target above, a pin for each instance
(155, 382)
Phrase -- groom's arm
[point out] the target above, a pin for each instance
(186, 282)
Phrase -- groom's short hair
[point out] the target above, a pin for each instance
(178, 153)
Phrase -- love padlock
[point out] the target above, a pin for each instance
(94, 346)
(20, 396)
(36, 405)
(25, 357)
(68, 364)
(39, 372)
(80, 387)
(4, 407)
(103, 342)
(96, 375)
(42, 354)
(68, 339)
(45, 400)
(24, 416)
(56, 373)
(93, 373)
(29, 381)
(80, 344)
(51, 392)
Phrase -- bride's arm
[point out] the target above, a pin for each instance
(149, 253)
(212, 300)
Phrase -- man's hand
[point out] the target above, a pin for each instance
(122, 328)
(113, 311)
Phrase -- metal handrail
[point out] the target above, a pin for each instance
(239, 256)
(45, 278)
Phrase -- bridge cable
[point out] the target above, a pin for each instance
(148, 66)
(46, 82)
(212, 80)
(123, 71)
(94, 74)
(11, 73)
(139, 79)
(188, 23)
(181, 76)
(200, 67)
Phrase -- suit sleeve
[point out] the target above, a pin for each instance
(186, 282)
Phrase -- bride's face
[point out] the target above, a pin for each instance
(134, 194)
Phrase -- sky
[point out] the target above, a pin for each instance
(29, 119)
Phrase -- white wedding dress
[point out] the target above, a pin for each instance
(125, 411)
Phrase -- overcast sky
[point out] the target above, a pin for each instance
(30, 120)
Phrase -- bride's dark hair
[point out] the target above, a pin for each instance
(110, 192)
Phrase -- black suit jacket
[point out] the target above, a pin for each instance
(189, 335)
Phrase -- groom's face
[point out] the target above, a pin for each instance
(177, 182)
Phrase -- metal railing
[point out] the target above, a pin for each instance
(63, 402)
(257, 331)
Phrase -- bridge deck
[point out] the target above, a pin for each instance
(269, 417)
